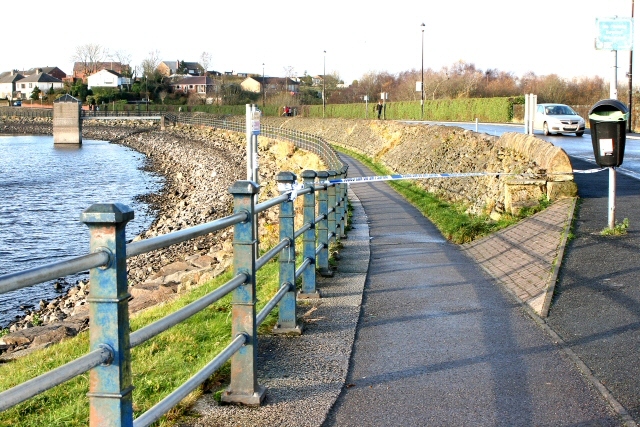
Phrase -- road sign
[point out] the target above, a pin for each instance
(614, 33)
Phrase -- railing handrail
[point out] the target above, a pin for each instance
(107, 264)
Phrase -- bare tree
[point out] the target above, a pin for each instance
(150, 64)
(124, 59)
(89, 55)
(205, 60)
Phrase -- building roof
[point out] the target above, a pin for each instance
(11, 78)
(41, 78)
(107, 71)
(195, 80)
(67, 98)
(36, 70)
(274, 80)
(79, 67)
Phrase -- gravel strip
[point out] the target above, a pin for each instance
(304, 375)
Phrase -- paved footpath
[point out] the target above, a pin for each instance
(596, 306)
(439, 344)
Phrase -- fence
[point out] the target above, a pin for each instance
(109, 360)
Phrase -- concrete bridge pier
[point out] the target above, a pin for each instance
(67, 120)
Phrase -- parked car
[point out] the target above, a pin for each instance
(558, 118)
(17, 103)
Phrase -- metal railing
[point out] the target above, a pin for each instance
(26, 112)
(109, 358)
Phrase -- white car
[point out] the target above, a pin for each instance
(558, 118)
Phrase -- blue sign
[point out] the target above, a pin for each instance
(614, 33)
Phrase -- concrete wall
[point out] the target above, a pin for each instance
(405, 148)
(67, 124)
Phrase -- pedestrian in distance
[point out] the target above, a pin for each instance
(379, 108)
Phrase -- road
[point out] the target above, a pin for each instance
(574, 146)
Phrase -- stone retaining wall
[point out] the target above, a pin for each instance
(199, 165)
(407, 149)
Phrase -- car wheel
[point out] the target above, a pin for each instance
(579, 133)
(545, 129)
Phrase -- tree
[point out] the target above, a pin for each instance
(35, 94)
(124, 59)
(149, 65)
(89, 55)
(205, 60)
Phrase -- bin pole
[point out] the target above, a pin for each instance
(612, 197)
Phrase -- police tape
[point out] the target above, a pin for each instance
(396, 177)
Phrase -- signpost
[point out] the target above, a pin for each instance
(614, 34)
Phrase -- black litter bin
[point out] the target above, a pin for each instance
(608, 122)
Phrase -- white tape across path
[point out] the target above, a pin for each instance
(293, 189)
(396, 177)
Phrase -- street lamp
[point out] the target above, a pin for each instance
(263, 88)
(629, 122)
(422, 78)
(324, 77)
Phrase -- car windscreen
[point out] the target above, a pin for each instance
(560, 110)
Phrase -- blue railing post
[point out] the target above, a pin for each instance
(340, 208)
(309, 238)
(287, 306)
(110, 402)
(244, 387)
(332, 207)
(345, 201)
(322, 260)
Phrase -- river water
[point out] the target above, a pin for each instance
(44, 189)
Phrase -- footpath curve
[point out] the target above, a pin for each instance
(437, 342)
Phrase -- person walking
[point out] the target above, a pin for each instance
(379, 108)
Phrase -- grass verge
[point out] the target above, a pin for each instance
(158, 366)
(450, 218)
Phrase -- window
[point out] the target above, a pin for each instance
(30, 84)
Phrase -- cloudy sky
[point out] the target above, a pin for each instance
(542, 36)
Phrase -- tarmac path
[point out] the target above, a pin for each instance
(596, 307)
(438, 343)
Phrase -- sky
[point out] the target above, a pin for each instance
(350, 38)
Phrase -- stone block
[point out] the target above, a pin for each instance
(522, 193)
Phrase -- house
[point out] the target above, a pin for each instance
(52, 71)
(270, 84)
(8, 83)
(169, 68)
(200, 84)
(81, 70)
(107, 78)
(42, 81)
(317, 80)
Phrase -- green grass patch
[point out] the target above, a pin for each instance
(159, 366)
(619, 229)
(450, 218)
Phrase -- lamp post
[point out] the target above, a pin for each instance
(629, 123)
(324, 77)
(422, 77)
(263, 87)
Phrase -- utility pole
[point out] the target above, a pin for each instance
(422, 79)
(629, 120)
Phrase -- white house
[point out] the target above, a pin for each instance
(107, 78)
(42, 81)
(8, 83)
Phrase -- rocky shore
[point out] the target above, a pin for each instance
(199, 164)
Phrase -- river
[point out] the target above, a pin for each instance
(44, 188)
